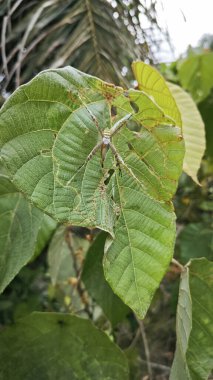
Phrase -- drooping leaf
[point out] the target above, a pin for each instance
(96, 285)
(193, 131)
(48, 129)
(151, 81)
(20, 231)
(194, 356)
(196, 75)
(196, 241)
(50, 346)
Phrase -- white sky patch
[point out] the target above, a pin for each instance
(187, 21)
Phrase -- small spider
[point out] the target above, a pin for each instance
(106, 136)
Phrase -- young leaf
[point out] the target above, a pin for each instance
(194, 357)
(96, 285)
(151, 81)
(193, 131)
(21, 226)
(49, 128)
(50, 346)
(196, 75)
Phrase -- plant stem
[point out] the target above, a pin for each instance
(178, 264)
(79, 286)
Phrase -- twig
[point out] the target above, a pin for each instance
(3, 45)
(79, 287)
(23, 42)
(159, 366)
(162, 367)
(178, 264)
(146, 347)
(135, 339)
(14, 7)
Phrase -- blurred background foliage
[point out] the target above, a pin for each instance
(103, 38)
(98, 37)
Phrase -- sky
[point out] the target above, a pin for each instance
(187, 21)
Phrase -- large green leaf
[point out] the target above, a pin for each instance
(152, 82)
(196, 75)
(96, 285)
(22, 231)
(194, 355)
(53, 346)
(47, 132)
(193, 131)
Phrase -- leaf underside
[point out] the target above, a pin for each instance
(194, 357)
(47, 132)
(193, 131)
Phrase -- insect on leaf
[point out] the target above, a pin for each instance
(53, 133)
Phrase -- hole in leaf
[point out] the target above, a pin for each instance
(61, 322)
(134, 106)
(130, 146)
(110, 173)
(113, 111)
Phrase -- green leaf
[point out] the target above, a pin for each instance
(96, 285)
(206, 110)
(195, 241)
(50, 346)
(60, 260)
(20, 225)
(193, 131)
(194, 357)
(151, 81)
(48, 129)
(196, 75)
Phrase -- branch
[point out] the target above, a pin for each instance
(3, 45)
(78, 284)
(161, 367)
